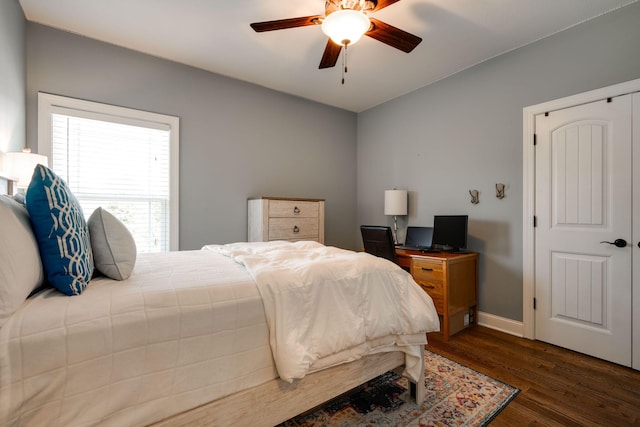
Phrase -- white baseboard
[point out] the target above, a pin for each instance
(501, 324)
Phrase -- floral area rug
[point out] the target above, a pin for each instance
(456, 396)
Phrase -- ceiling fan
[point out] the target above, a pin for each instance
(350, 16)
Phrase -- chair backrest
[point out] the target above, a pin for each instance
(378, 241)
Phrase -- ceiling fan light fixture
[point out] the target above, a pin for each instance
(346, 26)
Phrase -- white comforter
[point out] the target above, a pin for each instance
(332, 305)
(186, 328)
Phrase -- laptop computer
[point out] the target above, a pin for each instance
(418, 238)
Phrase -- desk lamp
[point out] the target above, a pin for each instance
(395, 203)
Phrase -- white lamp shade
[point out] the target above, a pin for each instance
(20, 166)
(395, 202)
(345, 26)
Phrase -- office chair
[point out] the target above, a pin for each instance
(378, 241)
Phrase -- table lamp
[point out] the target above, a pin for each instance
(20, 166)
(395, 203)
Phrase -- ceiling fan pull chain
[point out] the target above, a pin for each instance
(344, 62)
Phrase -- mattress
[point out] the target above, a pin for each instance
(186, 328)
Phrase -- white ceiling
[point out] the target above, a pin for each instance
(215, 35)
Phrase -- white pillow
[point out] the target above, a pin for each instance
(20, 267)
(114, 250)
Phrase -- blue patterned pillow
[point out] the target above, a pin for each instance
(61, 231)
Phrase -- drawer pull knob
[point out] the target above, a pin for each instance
(429, 286)
(427, 269)
(296, 210)
(296, 229)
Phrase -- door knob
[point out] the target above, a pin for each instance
(621, 243)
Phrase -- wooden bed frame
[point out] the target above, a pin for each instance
(276, 401)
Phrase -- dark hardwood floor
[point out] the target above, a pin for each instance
(558, 387)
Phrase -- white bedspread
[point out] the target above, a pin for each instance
(326, 303)
(186, 328)
(189, 327)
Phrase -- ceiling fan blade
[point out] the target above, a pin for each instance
(330, 55)
(392, 36)
(384, 3)
(282, 24)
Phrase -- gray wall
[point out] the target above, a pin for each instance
(12, 76)
(237, 140)
(465, 132)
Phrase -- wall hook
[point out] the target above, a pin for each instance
(500, 191)
(475, 196)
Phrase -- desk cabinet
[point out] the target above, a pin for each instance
(273, 218)
(451, 280)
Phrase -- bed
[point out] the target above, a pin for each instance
(197, 338)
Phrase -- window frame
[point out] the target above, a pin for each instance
(49, 104)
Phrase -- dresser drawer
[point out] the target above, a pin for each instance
(436, 294)
(435, 289)
(292, 209)
(293, 229)
(427, 270)
(429, 275)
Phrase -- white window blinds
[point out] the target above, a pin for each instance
(120, 163)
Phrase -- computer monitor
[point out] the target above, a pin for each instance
(450, 232)
(418, 237)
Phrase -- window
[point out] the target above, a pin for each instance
(122, 159)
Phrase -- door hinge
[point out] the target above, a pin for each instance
(535, 139)
(534, 303)
(535, 221)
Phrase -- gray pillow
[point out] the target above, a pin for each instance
(114, 250)
(20, 267)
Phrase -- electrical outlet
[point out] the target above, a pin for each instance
(466, 319)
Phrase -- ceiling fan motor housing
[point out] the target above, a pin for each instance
(375, 29)
(362, 5)
(346, 26)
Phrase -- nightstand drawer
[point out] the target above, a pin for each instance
(293, 229)
(292, 209)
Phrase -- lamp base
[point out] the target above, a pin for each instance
(395, 229)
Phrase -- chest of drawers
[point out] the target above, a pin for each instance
(274, 218)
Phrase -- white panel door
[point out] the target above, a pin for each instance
(583, 197)
(635, 364)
